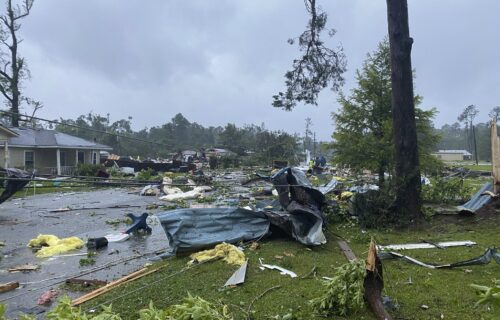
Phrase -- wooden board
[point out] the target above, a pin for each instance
(5, 287)
(346, 250)
(131, 277)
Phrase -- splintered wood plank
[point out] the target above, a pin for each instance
(346, 250)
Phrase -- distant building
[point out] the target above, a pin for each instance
(47, 151)
(219, 152)
(453, 155)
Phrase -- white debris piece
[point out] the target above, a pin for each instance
(283, 271)
(425, 245)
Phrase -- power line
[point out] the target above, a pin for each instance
(83, 128)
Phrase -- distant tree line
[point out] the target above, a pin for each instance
(255, 142)
(456, 137)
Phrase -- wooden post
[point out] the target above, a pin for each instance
(7, 155)
(495, 157)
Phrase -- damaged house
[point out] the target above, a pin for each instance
(46, 151)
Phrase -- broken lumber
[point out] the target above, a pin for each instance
(9, 286)
(374, 283)
(131, 277)
(346, 250)
(24, 267)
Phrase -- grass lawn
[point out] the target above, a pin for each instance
(446, 292)
(480, 167)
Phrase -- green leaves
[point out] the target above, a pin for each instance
(344, 292)
(152, 313)
(363, 137)
(192, 308)
(488, 295)
(196, 308)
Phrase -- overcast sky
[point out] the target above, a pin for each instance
(220, 61)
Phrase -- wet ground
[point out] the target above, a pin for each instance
(92, 215)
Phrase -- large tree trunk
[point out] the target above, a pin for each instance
(407, 203)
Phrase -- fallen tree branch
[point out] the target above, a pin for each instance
(258, 297)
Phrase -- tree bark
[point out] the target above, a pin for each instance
(475, 144)
(14, 84)
(407, 171)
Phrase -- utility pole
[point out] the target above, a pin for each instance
(314, 144)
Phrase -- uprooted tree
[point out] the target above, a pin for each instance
(363, 137)
(13, 68)
(320, 67)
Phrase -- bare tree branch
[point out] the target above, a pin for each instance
(14, 67)
(4, 93)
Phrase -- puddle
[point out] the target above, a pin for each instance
(23, 219)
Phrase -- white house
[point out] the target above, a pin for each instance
(47, 151)
(453, 155)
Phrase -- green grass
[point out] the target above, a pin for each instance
(50, 187)
(470, 165)
(480, 167)
(446, 292)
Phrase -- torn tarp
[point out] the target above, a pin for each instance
(20, 179)
(485, 258)
(481, 198)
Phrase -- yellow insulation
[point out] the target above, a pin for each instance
(224, 251)
(52, 245)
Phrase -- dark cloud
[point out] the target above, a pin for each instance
(221, 61)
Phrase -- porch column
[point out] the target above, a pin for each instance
(58, 159)
(7, 155)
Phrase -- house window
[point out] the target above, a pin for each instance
(94, 157)
(29, 160)
(81, 157)
(62, 157)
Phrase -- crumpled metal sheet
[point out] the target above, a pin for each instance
(300, 222)
(299, 216)
(477, 201)
(12, 186)
(485, 258)
(292, 184)
(195, 229)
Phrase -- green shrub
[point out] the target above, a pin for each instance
(147, 175)
(374, 209)
(230, 162)
(447, 190)
(87, 169)
(213, 162)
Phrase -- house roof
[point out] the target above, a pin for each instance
(8, 131)
(41, 138)
(464, 152)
